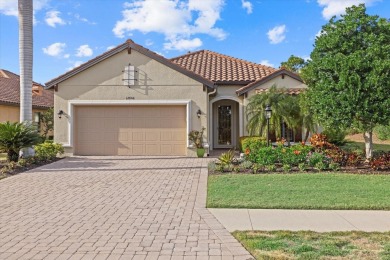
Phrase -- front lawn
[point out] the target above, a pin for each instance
(299, 191)
(312, 245)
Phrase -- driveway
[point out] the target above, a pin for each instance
(112, 208)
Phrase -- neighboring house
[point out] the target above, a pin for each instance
(42, 99)
(132, 101)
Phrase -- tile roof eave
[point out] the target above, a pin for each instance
(129, 44)
(273, 75)
(17, 104)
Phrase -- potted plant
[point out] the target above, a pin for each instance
(196, 137)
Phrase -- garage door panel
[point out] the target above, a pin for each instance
(130, 130)
(152, 149)
(152, 136)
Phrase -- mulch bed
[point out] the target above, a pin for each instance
(20, 169)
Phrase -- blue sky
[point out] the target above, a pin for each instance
(70, 32)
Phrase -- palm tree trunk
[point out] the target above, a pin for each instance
(25, 8)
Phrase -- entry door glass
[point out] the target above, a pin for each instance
(224, 125)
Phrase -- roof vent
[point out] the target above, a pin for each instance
(129, 75)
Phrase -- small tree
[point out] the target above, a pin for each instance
(294, 64)
(349, 73)
(47, 121)
(15, 136)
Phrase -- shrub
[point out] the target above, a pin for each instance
(382, 132)
(270, 167)
(226, 158)
(15, 136)
(316, 158)
(246, 164)
(266, 156)
(334, 166)
(48, 150)
(302, 167)
(196, 137)
(293, 155)
(251, 145)
(286, 167)
(335, 136)
(320, 166)
(354, 159)
(382, 162)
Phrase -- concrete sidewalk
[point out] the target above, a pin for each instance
(315, 220)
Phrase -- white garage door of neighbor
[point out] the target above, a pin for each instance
(130, 130)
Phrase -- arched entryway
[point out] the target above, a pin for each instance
(225, 123)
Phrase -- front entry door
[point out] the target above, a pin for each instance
(224, 130)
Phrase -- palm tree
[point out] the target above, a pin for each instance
(25, 8)
(308, 121)
(285, 109)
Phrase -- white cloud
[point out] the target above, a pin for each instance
(247, 6)
(53, 17)
(110, 47)
(75, 64)
(267, 63)
(277, 34)
(177, 20)
(56, 50)
(83, 19)
(84, 51)
(183, 44)
(337, 7)
(149, 42)
(10, 7)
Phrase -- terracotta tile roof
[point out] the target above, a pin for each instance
(280, 72)
(221, 68)
(129, 44)
(291, 91)
(10, 91)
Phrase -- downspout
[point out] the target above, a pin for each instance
(209, 128)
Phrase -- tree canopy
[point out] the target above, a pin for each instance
(349, 71)
(294, 63)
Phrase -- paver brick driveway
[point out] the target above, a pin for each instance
(112, 208)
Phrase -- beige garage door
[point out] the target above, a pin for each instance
(130, 130)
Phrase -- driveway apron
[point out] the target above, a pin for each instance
(112, 208)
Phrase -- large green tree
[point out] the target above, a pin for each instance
(349, 73)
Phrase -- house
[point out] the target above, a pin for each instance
(132, 101)
(10, 98)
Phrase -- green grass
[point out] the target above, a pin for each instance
(312, 245)
(299, 191)
(360, 145)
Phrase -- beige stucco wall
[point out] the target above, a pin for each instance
(103, 81)
(12, 113)
(279, 82)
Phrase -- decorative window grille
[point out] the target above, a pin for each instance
(129, 75)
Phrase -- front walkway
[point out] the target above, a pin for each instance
(294, 220)
(112, 208)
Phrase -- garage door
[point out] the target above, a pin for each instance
(130, 130)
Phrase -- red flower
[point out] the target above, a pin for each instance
(296, 152)
(247, 151)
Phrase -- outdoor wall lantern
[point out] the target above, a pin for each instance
(60, 113)
(198, 113)
(268, 114)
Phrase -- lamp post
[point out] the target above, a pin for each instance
(268, 114)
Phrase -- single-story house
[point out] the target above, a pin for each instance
(132, 101)
(42, 99)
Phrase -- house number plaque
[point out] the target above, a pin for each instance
(128, 98)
